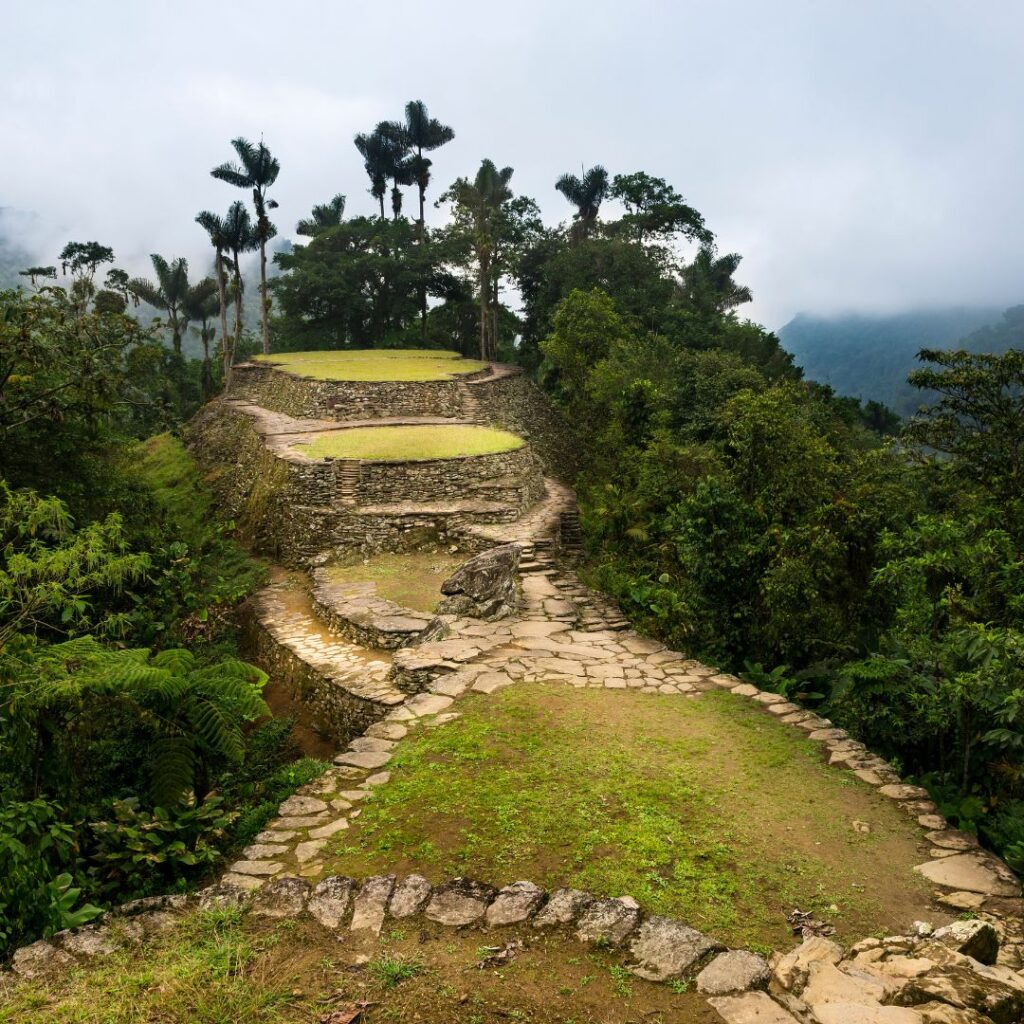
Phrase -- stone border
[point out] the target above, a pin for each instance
(945, 975)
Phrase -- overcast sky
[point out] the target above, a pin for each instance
(860, 154)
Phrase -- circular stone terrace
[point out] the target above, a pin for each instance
(409, 442)
(381, 365)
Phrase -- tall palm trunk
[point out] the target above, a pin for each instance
(236, 287)
(264, 298)
(222, 295)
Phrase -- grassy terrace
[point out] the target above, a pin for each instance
(408, 364)
(399, 444)
(412, 579)
(705, 809)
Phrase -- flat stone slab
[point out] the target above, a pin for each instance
(609, 921)
(410, 897)
(975, 872)
(330, 900)
(305, 852)
(368, 759)
(301, 805)
(256, 867)
(666, 949)
(735, 971)
(563, 907)
(460, 902)
(328, 830)
(854, 1013)
(370, 904)
(283, 897)
(901, 791)
(427, 704)
(514, 904)
(264, 851)
(751, 1008)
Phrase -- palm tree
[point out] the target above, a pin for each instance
(240, 237)
(325, 215)
(257, 170)
(585, 194)
(424, 133)
(376, 152)
(201, 305)
(215, 228)
(708, 281)
(482, 200)
(168, 293)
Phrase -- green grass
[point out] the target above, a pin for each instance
(412, 579)
(170, 474)
(707, 810)
(218, 967)
(375, 364)
(399, 444)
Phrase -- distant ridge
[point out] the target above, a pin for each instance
(870, 356)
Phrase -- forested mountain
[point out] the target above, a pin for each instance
(869, 357)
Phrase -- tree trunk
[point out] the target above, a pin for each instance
(264, 301)
(229, 357)
(222, 295)
(485, 288)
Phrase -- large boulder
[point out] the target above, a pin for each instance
(484, 587)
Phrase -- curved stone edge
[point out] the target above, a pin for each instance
(912, 979)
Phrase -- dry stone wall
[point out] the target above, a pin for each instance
(292, 508)
(308, 397)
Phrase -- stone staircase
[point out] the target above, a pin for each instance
(570, 532)
(348, 473)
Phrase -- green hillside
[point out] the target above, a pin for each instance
(870, 356)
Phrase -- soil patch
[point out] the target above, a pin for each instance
(412, 579)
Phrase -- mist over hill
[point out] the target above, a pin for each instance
(870, 356)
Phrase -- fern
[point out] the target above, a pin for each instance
(195, 713)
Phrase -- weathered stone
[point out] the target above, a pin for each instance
(952, 839)
(330, 900)
(563, 907)
(734, 971)
(275, 836)
(371, 743)
(901, 791)
(514, 904)
(410, 897)
(256, 867)
(283, 897)
(291, 824)
(301, 805)
(370, 904)
(363, 759)
(484, 587)
(975, 872)
(751, 1008)
(943, 1013)
(305, 852)
(428, 704)
(387, 730)
(328, 830)
(746, 690)
(857, 1013)
(960, 986)
(39, 959)
(826, 983)
(791, 971)
(962, 900)
(263, 851)
(91, 940)
(977, 939)
(228, 892)
(459, 902)
(609, 922)
(666, 949)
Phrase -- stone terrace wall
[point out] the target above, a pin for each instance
(430, 479)
(290, 511)
(307, 397)
(512, 401)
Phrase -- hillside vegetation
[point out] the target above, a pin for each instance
(870, 357)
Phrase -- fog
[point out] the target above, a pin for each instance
(863, 157)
